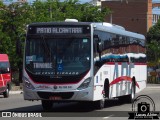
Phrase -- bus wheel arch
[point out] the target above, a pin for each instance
(100, 104)
(133, 88)
(106, 88)
(131, 96)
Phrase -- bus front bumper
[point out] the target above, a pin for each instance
(70, 95)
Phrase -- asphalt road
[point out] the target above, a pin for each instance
(63, 111)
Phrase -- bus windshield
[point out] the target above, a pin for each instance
(57, 56)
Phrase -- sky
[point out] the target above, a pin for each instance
(154, 11)
(30, 1)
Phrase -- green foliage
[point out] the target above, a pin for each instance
(15, 17)
(153, 49)
(153, 43)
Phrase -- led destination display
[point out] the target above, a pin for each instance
(59, 30)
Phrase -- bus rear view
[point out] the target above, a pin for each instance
(57, 63)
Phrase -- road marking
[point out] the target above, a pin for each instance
(108, 117)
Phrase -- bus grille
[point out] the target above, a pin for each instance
(63, 95)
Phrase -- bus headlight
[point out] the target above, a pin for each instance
(85, 84)
(28, 84)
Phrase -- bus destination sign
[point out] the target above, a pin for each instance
(59, 30)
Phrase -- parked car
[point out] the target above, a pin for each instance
(5, 75)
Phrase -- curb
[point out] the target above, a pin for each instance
(15, 92)
(151, 87)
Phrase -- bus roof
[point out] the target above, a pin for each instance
(103, 26)
(3, 57)
(59, 23)
(107, 27)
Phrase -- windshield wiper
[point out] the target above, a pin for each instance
(50, 54)
(46, 48)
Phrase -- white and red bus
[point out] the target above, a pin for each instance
(5, 75)
(82, 61)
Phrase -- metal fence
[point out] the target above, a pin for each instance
(154, 77)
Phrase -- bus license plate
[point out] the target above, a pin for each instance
(55, 98)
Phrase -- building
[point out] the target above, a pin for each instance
(96, 2)
(156, 11)
(156, 17)
(134, 15)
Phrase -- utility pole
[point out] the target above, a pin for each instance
(50, 11)
(111, 18)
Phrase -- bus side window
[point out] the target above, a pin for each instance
(98, 43)
(98, 46)
(95, 47)
(132, 60)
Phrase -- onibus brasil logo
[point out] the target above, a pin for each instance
(143, 107)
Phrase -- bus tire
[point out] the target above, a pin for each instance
(106, 88)
(100, 104)
(6, 92)
(47, 105)
(131, 97)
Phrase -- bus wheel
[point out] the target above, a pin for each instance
(100, 104)
(6, 93)
(47, 105)
(131, 97)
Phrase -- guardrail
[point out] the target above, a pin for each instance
(154, 77)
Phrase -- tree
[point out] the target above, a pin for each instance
(15, 17)
(153, 43)
(13, 25)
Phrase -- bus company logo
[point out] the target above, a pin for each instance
(43, 87)
(143, 107)
(6, 114)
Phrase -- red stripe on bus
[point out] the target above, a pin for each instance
(122, 78)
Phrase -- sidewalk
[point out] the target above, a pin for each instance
(149, 85)
(16, 90)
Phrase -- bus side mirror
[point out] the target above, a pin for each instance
(98, 43)
(99, 47)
